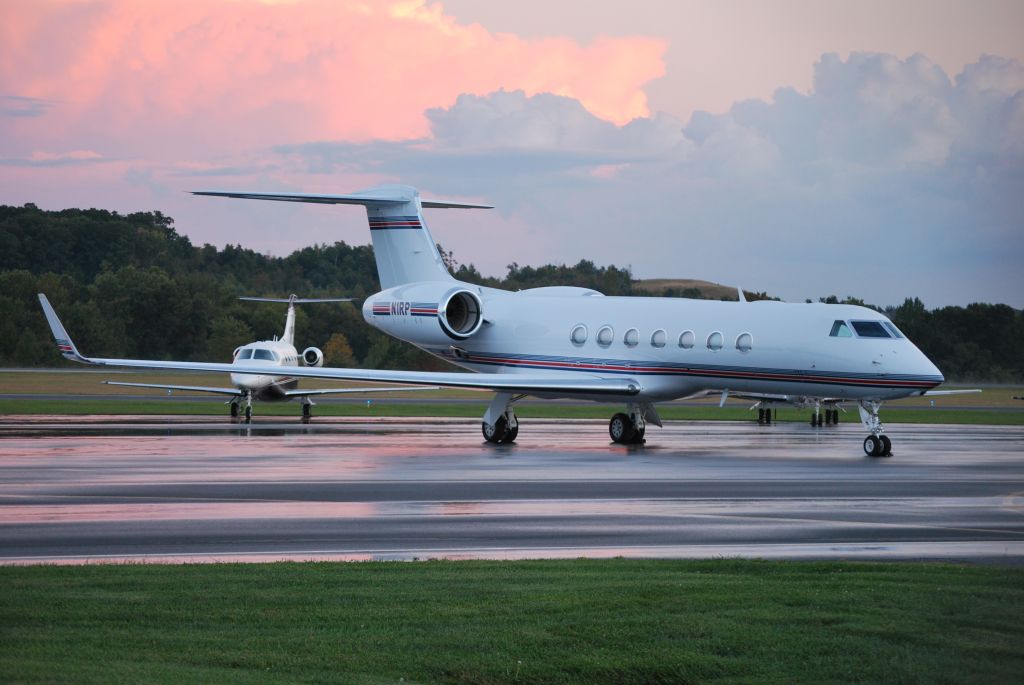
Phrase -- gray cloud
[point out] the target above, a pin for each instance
(888, 179)
(25, 107)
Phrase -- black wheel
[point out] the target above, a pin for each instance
(828, 417)
(307, 412)
(767, 417)
(835, 417)
(512, 434)
(760, 417)
(621, 429)
(248, 414)
(886, 450)
(638, 436)
(234, 410)
(814, 420)
(872, 446)
(496, 433)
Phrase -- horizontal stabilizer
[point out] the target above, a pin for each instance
(373, 198)
(297, 300)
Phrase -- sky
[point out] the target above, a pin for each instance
(804, 148)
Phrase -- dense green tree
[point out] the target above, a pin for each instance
(130, 285)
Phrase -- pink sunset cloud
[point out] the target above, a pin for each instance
(190, 78)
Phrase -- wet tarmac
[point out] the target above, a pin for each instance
(94, 489)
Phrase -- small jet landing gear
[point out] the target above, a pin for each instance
(307, 411)
(234, 409)
(876, 444)
(764, 416)
(248, 408)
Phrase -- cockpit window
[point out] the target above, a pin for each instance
(264, 354)
(245, 354)
(841, 330)
(892, 329)
(870, 329)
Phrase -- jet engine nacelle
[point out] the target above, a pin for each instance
(312, 356)
(427, 313)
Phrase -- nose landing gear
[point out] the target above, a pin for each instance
(876, 444)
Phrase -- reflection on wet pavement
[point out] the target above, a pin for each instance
(97, 488)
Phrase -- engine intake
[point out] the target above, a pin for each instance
(312, 356)
(461, 314)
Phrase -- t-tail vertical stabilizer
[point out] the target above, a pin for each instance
(402, 244)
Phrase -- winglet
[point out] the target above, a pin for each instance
(64, 344)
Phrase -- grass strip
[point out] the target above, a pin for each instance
(381, 407)
(576, 621)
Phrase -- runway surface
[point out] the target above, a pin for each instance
(77, 489)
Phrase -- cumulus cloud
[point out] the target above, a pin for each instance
(165, 79)
(887, 179)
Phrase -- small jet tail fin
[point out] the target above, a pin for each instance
(64, 343)
(402, 244)
(289, 320)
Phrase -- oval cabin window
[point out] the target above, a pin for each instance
(658, 338)
(578, 335)
(715, 341)
(686, 339)
(605, 336)
(632, 338)
(744, 342)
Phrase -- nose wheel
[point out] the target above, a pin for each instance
(878, 446)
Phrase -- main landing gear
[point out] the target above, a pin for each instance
(500, 426)
(764, 416)
(629, 428)
(830, 416)
(876, 444)
(307, 409)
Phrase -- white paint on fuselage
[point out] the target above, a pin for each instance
(791, 353)
(269, 387)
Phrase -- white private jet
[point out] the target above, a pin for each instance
(568, 342)
(273, 356)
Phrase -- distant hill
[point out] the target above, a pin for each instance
(692, 288)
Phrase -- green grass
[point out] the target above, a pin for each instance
(579, 621)
(381, 407)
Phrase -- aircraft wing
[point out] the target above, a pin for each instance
(342, 391)
(499, 382)
(188, 388)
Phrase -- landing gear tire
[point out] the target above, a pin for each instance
(248, 414)
(234, 410)
(815, 420)
(307, 412)
(499, 432)
(835, 417)
(621, 429)
(878, 446)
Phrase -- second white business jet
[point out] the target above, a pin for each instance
(576, 343)
(276, 358)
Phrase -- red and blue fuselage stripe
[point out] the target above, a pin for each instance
(395, 222)
(638, 368)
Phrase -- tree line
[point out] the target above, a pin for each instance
(129, 285)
